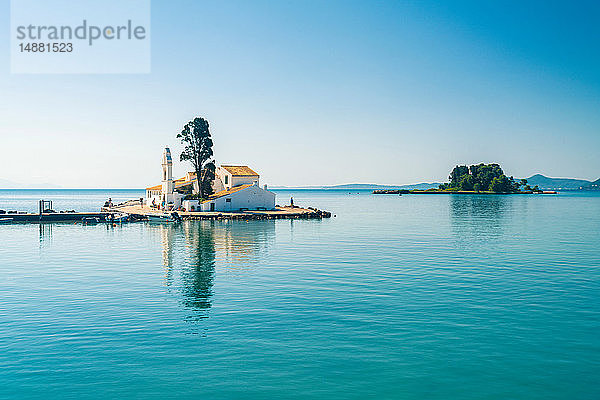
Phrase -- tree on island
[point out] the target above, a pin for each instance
(482, 177)
(195, 136)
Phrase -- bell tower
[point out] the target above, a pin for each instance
(167, 178)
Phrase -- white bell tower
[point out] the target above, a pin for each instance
(167, 178)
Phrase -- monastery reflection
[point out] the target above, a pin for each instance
(242, 243)
(192, 251)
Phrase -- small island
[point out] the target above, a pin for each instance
(482, 178)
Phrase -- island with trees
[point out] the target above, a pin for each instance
(481, 178)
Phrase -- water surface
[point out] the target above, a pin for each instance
(399, 297)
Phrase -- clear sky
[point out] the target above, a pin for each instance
(315, 92)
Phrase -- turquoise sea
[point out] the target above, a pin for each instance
(396, 297)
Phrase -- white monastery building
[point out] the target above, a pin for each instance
(236, 188)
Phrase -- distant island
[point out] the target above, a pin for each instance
(484, 178)
(536, 182)
(489, 178)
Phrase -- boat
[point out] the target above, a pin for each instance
(164, 217)
(117, 218)
(90, 220)
(5, 220)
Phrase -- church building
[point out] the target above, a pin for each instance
(235, 188)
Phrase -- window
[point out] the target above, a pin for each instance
(226, 179)
(227, 200)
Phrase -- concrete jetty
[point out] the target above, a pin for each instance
(141, 213)
(287, 212)
(47, 214)
(52, 217)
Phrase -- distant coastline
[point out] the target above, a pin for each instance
(543, 182)
(360, 186)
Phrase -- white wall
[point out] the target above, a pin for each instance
(251, 198)
(220, 176)
(232, 181)
(243, 180)
(217, 184)
(188, 204)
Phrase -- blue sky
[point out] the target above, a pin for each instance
(312, 92)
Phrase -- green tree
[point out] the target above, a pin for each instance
(501, 184)
(456, 175)
(485, 173)
(481, 177)
(208, 178)
(523, 182)
(466, 182)
(195, 136)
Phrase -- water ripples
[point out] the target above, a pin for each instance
(396, 297)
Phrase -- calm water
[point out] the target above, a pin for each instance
(412, 297)
(64, 199)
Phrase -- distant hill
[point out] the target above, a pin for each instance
(544, 182)
(593, 185)
(363, 186)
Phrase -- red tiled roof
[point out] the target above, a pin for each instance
(177, 183)
(239, 170)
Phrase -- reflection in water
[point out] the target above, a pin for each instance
(479, 217)
(167, 236)
(45, 233)
(241, 243)
(198, 269)
(190, 252)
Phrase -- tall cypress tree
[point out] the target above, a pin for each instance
(195, 136)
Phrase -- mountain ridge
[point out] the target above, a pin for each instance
(362, 186)
(548, 183)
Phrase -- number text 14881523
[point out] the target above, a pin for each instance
(46, 47)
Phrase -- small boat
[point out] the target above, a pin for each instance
(164, 217)
(90, 220)
(5, 220)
